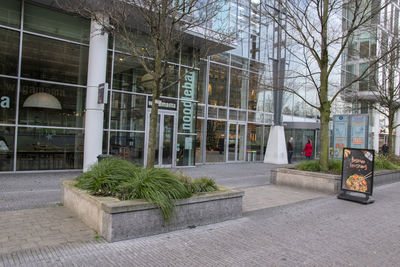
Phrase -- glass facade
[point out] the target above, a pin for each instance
(220, 111)
(43, 72)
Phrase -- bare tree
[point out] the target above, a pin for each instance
(318, 33)
(155, 31)
(387, 93)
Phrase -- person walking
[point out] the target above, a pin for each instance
(308, 150)
(290, 150)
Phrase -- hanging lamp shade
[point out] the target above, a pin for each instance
(42, 100)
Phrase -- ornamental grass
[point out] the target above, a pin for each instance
(119, 178)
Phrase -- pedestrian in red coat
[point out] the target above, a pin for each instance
(308, 150)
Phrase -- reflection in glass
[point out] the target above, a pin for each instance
(236, 144)
(128, 111)
(10, 13)
(185, 150)
(266, 136)
(255, 100)
(254, 142)
(38, 105)
(199, 141)
(53, 60)
(55, 23)
(128, 73)
(238, 89)
(232, 143)
(217, 89)
(215, 146)
(287, 103)
(221, 58)
(129, 146)
(9, 43)
(7, 100)
(49, 149)
(201, 84)
(6, 148)
(233, 114)
(168, 140)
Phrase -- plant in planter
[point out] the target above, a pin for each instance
(126, 181)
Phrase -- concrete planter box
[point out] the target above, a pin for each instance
(118, 220)
(328, 183)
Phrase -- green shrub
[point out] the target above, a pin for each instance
(382, 163)
(122, 179)
(392, 158)
(157, 186)
(104, 177)
(335, 166)
(204, 184)
(198, 185)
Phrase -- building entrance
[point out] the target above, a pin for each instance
(165, 139)
(237, 141)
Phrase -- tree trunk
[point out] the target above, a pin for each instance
(156, 92)
(324, 139)
(151, 149)
(325, 105)
(390, 126)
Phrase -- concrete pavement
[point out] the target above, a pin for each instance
(321, 232)
(55, 225)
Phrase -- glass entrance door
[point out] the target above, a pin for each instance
(236, 142)
(165, 140)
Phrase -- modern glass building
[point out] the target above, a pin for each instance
(221, 113)
(370, 42)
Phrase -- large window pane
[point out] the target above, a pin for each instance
(54, 23)
(254, 142)
(128, 112)
(8, 93)
(255, 95)
(6, 148)
(128, 73)
(10, 13)
(51, 105)
(217, 92)
(185, 150)
(129, 146)
(53, 60)
(201, 84)
(238, 89)
(9, 44)
(49, 149)
(199, 141)
(215, 147)
(287, 103)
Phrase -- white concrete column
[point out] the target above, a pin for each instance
(94, 112)
(397, 138)
(276, 149)
(375, 130)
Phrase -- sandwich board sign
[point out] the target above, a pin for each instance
(357, 175)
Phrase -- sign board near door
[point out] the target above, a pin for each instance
(164, 103)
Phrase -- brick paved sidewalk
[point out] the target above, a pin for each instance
(41, 227)
(32, 228)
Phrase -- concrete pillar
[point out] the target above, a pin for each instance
(276, 149)
(94, 112)
(375, 130)
(397, 138)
